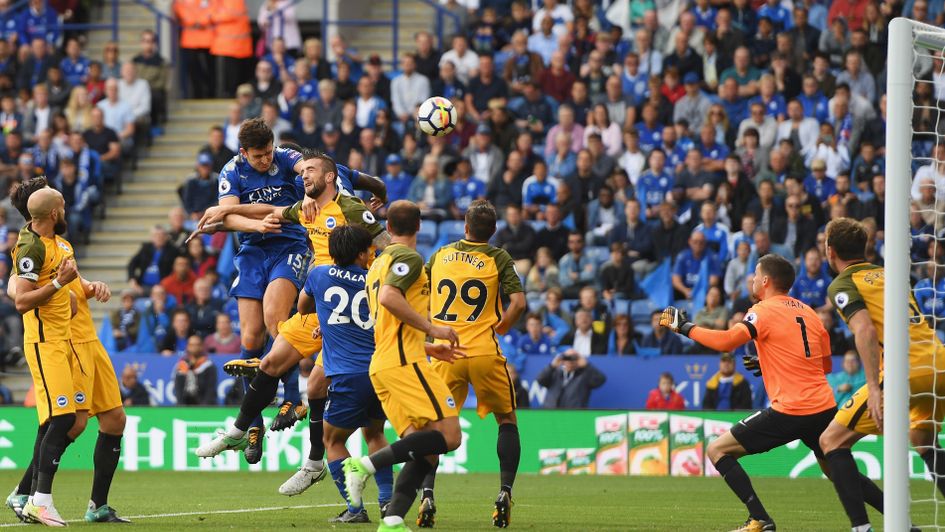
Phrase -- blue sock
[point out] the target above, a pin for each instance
(251, 353)
(290, 386)
(384, 477)
(338, 475)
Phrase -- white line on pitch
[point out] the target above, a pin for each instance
(208, 512)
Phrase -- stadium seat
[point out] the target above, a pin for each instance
(568, 305)
(535, 301)
(537, 225)
(621, 306)
(499, 225)
(600, 254)
(641, 309)
(451, 231)
(643, 329)
(425, 251)
(427, 234)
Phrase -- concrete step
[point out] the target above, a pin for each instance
(103, 263)
(196, 137)
(164, 161)
(146, 187)
(108, 238)
(170, 177)
(127, 226)
(122, 251)
(144, 211)
(188, 128)
(164, 201)
(113, 277)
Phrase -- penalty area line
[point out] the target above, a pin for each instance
(208, 512)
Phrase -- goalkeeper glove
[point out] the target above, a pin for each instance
(752, 364)
(676, 321)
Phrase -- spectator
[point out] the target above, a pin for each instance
(277, 19)
(737, 269)
(34, 70)
(665, 396)
(396, 180)
(688, 266)
(223, 341)
(556, 80)
(839, 343)
(447, 84)
(195, 377)
(717, 234)
(660, 338)
(180, 282)
(465, 189)
(175, 341)
(544, 274)
(203, 309)
(196, 36)
(78, 109)
(45, 155)
(199, 192)
(465, 60)
(616, 275)
(38, 22)
(137, 94)
(201, 261)
(539, 191)
(637, 238)
(232, 44)
(811, 286)
(368, 103)
(278, 125)
(133, 393)
(79, 193)
(125, 321)
(431, 192)
(408, 90)
(669, 236)
(176, 218)
(105, 142)
(543, 41)
(484, 88)
(555, 322)
(534, 341)
(727, 389)
(694, 106)
(156, 319)
(486, 158)
(654, 185)
(576, 269)
(111, 63)
(566, 124)
(562, 162)
(743, 72)
(569, 378)
(849, 379)
(427, 56)
(797, 233)
(37, 116)
(554, 235)
(715, 314)
(154, 70)
(118, 115)
(517, 237)
(765, 125)
(217, 148)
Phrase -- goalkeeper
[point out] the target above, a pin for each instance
(793, 360)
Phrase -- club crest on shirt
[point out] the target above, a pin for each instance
(224, 186)
(62, 401)
(26, 265)
(274, 169)
(330, 222)
(368, 218)
(450, 402)
(79, 398)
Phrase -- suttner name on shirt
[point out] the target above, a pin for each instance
(346, 275)
(461, 256)
(264, 195)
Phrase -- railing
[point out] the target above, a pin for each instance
(441, 14)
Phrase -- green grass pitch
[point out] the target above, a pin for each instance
(205, 501)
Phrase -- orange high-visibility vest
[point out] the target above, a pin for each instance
(190, 14)
(231, 32)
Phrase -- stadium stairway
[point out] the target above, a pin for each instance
(148, 194)
(414, 16)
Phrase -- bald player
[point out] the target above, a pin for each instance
(44, 269)
(794, 357)
(97, 386)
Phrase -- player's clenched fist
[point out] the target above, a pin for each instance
(67, 272)
(676, 321)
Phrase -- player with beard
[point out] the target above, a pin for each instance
(97, 387)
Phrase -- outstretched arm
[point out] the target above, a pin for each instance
(676, 321)
(372, 184)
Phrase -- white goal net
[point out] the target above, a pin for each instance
(914, 256)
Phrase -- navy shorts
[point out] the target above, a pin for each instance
(352, 401)
(257, 267)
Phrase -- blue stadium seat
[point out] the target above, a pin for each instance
(644, 329)
(568, 305)
(534, 300)
(640, 310)
(537, 225)
(600, 254)
(425, 251)
(427, 234)
(621, 306)
(499, 225)
(451, 231)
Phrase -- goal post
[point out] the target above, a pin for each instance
(908, 41)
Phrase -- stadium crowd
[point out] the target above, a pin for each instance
(629, 151)
(76, 120)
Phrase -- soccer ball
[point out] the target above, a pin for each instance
(436, 116)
